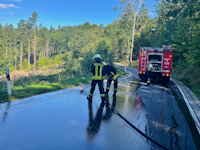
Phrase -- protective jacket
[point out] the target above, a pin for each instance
(98, 70)
(111, 72)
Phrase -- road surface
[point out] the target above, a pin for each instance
(65, 120)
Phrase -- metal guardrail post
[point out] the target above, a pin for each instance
(8, 81)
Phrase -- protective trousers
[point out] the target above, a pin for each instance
(100, 84)
(109, 83)
(148, 77)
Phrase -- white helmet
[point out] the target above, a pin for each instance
(97, 56)
(105, 64)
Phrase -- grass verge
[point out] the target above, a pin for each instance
(34, 85)
(25, 90)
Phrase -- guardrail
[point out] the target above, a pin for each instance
(191, 101)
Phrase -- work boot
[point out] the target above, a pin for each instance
(103, 100)
(89, 99)
(102, 104)
(148, 82)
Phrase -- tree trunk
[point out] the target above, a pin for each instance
(34, 50)
(132, 44)
(140, 33)
(6, 51)
(51, 52)
(21, 55)
(15, 58)
(47, 49)
(44, 47)
(29, 55)
(53, 49)
(123, 54)
(10, 52)
(40, 54)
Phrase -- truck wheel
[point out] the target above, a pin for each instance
(142, 77)
(165, 80)
(142, 80)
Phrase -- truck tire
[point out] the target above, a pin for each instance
(165, 80)
(143, 80)
(142, 77)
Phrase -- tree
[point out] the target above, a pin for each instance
(28, 28)
(33, 21)
(7, 38)
(2, 56)
(59, 27)
(22, 28)
(130, 9)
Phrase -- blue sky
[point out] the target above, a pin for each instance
(61, 12)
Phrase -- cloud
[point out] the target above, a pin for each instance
(15, 0)
(11, 13)
(6, 6)
(151, 13)
(1, 18)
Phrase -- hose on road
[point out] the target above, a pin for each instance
(137, 129)
(140, 132)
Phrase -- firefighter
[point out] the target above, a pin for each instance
(149, 68)
(97, 78)
(112, 75)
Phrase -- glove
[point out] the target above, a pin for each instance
(115, 77)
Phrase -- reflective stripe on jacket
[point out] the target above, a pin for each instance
(97, 70)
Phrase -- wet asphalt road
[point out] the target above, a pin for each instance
(64, 119)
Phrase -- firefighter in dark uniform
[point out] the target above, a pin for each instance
(97, 78)
(112, 75)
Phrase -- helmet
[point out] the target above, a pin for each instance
(105, 64)
(97, 57)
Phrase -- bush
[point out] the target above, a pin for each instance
(58, 59)
(44, 62)
(25, 64)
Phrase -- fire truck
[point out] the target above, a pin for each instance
(160, 58)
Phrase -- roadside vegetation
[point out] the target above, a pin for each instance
(33, 85)
(189, 77)
(134, 64)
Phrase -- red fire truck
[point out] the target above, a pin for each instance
(160, 58)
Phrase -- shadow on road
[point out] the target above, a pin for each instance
(95, 122)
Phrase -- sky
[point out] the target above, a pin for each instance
(62, 12)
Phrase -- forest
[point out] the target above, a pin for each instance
(177, 23)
